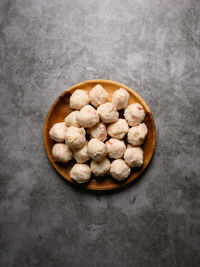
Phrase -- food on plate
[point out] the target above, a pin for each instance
(61, 153)
(133, 156)
(119, 170)
(98, 131)
(75, 137)
(115, 148)
(81, 155)
(96, 149)
(136, 135)
(70, 120)
(134, 114)
(87, 117)
(120, 98)
(98, 124)
(108, 112)
(57, 132)
(118, 129)
(100, 168)
(80, 173)
(98, 95)
(79, 99)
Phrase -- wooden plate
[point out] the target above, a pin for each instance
(60, 109)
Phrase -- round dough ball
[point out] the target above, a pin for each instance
(136, 135)
(133, 156)
(96, 149)
(120, 98)
(75, 137)
(115, 148)
(80, 173)
(119, 170)
(57, 132)
(118, 129)
(79, 99)
(100, 168)
(98, 131)
(108, 112)
(70, 120)
(61, 153)
(82, 155)
(87, 117)
(134, 114)
(98, 95)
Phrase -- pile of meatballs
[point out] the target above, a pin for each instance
(98, 117)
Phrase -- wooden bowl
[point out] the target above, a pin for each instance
(60, 109)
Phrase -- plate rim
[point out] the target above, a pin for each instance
(93, 187)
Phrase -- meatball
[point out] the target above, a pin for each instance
(118, 129)
(98, 131)
(136, 135)
(119, 170)
(81, 155)
(133, 156)
(62, 153)
(57, 132)
(100, 168)
(98, 95)
(80, 173)
(115, 148)
(120, 98)
(134, 114)
(96, 149)
(75, 137)
(108, 112)
(79, 99)
(70, 120)
(87, 117)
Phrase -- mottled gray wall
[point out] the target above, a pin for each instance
(150, 45)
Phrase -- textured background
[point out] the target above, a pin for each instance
(150, 45)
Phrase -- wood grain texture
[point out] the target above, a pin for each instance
(60, 109)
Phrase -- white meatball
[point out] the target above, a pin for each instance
(118, 129)
(108, 112)
(115, 148)
(98, 131)
(120, 98)
(75, 137)
(133, 156)
(136, 135)
(87, 117)
(119, 170)
(98, 95)
(134, 114)
(61, 153)
(79, 99)
(70, 120)
(57, 132)
(80, 173)
(82, 155)
(96, 149)
(100, 168)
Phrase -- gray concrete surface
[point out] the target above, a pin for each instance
(150, 45)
